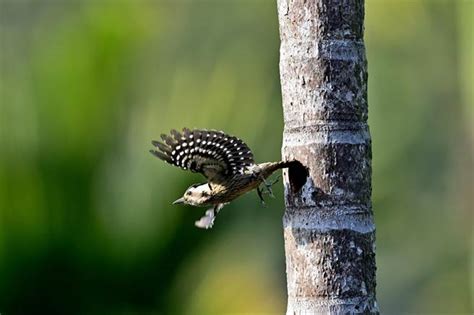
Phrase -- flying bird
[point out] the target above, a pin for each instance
(226, 162)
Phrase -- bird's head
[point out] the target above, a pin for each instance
(195, 195)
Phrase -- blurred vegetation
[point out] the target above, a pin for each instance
(86, 224)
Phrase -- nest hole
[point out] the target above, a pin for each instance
(297, 174)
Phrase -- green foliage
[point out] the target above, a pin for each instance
(86, 224)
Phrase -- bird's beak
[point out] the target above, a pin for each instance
(179, 201)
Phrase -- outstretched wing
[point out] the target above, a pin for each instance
(213, 153)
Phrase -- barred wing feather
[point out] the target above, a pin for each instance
(213, 153)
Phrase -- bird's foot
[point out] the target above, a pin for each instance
(268, 186)
(207, 221)
(259, 192)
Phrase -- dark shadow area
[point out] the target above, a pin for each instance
(297, 173)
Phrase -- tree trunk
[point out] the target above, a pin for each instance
(328, 223)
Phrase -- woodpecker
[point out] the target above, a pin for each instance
(226, 162)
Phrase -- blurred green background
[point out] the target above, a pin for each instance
(86, 221)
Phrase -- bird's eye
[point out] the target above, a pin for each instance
(188, 193)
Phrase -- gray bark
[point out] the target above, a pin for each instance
(328, 223)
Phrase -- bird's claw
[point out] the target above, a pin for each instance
(270, 191)
(268, 186)
(267, 190)
(259, 192)
(207, 221)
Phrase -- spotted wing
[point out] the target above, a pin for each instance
(213, 153)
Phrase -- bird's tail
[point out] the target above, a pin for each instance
(269, 167)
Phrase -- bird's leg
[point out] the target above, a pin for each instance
(268, 186)
(218, 207)
(275, 181)
(207, 221)
(259, 192)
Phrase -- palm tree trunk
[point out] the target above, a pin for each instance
(328, 223)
